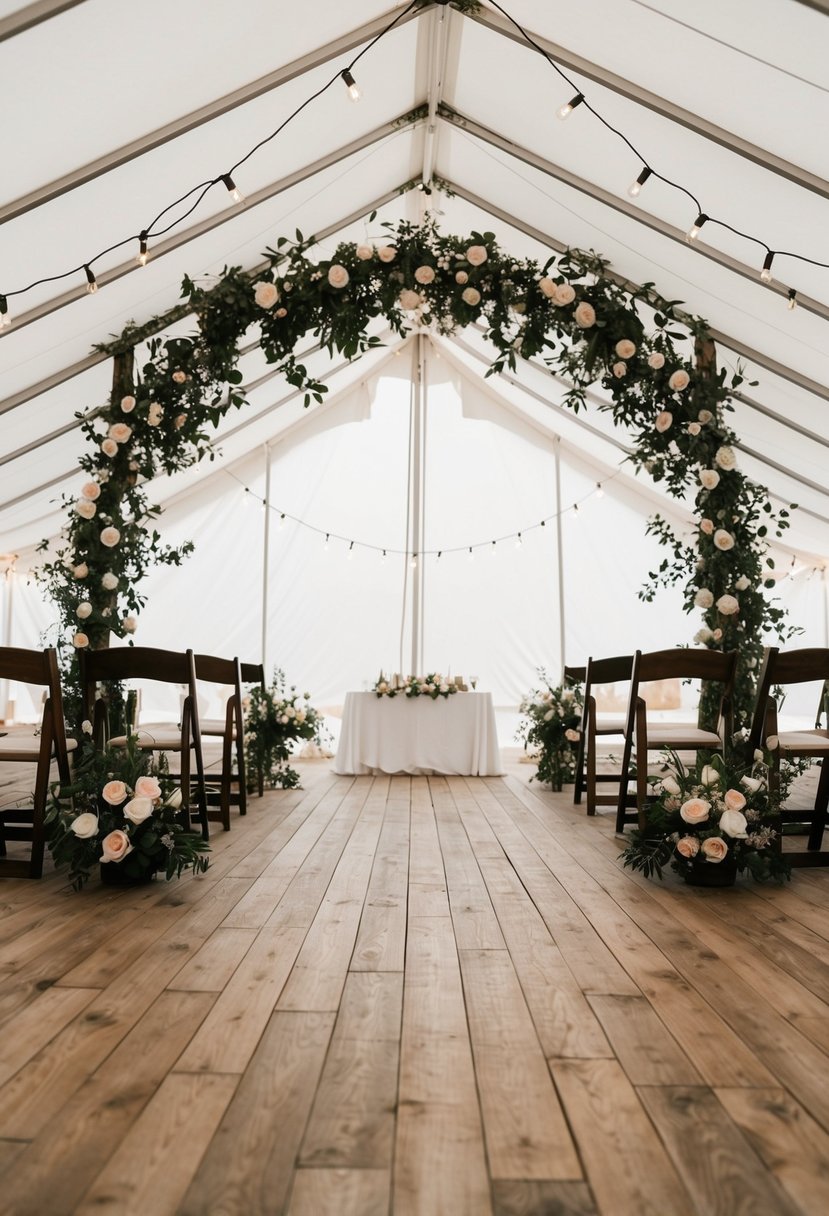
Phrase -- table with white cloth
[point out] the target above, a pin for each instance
(453, 736)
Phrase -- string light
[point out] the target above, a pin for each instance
(351, 84)
(232, 189)
(383, 558)
(282, 522)
(566, 110)
(471, 554)
(765, 273)
(350, 550)
(599, 490)
(413, 562)
(142, 249)
(518, 541)
(792, 304)
(325, 546)
(91, 281)
(635, 188)
(5, 315)
(694, 230)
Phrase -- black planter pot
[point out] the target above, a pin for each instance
(113, 874)
(711, 874)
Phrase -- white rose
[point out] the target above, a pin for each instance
(155, 413)
(265, 294)
(751, 784)
(725, 458)
(130, 624)
(110, 537)
(564, 294)
(424, 275)
(547, 287)
(409, 299)
(85, 826)
(723, 540)
(728, 605)
(663, 421)
(85, 508)
(625, 349)
(704, 598)
(174, 800)
(585, 315)
(710, 478)
(471, 296)
(81, 570)
(83, 610)
(759, 754)
(734, 824)
(670, 785)
(128, 404)
(387, 253)
(705, 416)
(656, 360)
(86, 726)
(109, 581)
(91, 490)
(703, 635)
(338, 276)
(619, 370)
(679, 380)
(709, 775)
(364, 253)
(461, 277)
(742, 583)
(138, 809)
(109, 447)
(476, 255)
(772, 743)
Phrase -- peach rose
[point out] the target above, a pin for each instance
(81, 570)
(694, 428)
(338, 276)
(687, 846)
(728, 605)
(114, 792)
(705, 416)
(679, 380)
(364, 253)
(120, 432)
(85, 825)
(409, 299)
(110, 537)
(547, 288)
(471, 296)
(91, 490)
(461, 277)
(585, 315)
(476, 255)
(424, 275)
(130, 624)
(109, 581)
(656, 360)
(85, 508)
(625, 349)
(619, 370)
(565, 294)
(572, 735)
(664, 419)
(138, 809)
(695, 810)
(710, 478)
(147, 787)
(743, 583)
(83, 610)
(725, 458)
(80, 640)
(155, 413)
(265, 294)
(109, 447)
(179, 377)
(704, 598)
(707, 526)
(115, 846)
(128, 404)
(387, 253)
(714, 848)
(723, 540)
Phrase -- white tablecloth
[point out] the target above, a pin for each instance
(454, 735)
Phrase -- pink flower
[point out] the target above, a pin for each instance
(387, 253)
(664, 419)
(476, 255)
(585, 315)
(282, 312)
(705, 416)
(85, 508)
(424, 275)
(364, 253)
(81, 570)
(728, 605)
(714, 848)
(679, 380)
(461, 277)
(723, 540)
(619, 370)
(265, 294)
(179, 421)
(734, 800)
(695, 810)
(80, 640)
(694, 428)
(709, 478)
(565, 294)
(471, 296)
(687, 846)
(114, 792)
(409, 299)
(147, 787)
(115, 846)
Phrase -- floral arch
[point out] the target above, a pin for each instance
(568, 312)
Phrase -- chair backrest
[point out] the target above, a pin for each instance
(574, 675)
(39, 667)
(683, 663)
(214, 670)
(139, 663)
(253, 673)
(609, 671)
(788, 667)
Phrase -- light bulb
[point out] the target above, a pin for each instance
(383, 558)
(351, 84)
(599, 490)
(518, 541)
(5, 315)
(91, 281)
(792, 304)
(566, 110)
(350, 550)
(282, 522)
(232, 189)
(765, 273)
(471, 554)
(141, 259)
(694, 230)
(635, 188)
(325, 546)
(413, 562)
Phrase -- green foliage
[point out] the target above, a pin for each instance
(275, 718)
(552, 727)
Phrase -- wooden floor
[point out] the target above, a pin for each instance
(439, 997)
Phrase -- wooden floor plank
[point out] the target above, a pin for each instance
(381, 940)
(473, 917)
(644, 1048)
(37, 1025)
(340, 1192)
(542, 1199)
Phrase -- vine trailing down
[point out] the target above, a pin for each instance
(568, 311)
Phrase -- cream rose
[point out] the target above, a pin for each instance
(85, 508)
(707, 526)
(461, 277)
(387, 253)
(109, 581)
(704, 598)
(147, 787)
(115, 846)
(114, 792)
(572, 735)
(663, 421)
(547, 287)
(476, 255)
(424, 275)
(679, 380)
(86, 726)
(734, 823)
(81, 570)
(409, 299)
(585, 315)
(83, 610)
(179, 377)
(714, 848)
(155, 413)
(338, 276)
(138, 809)
(772, 743)
(85, 826)
(710, 478)
(471, 296)
(656, 360)
(620, 370)
(127, 404)
(174, 800)
(687, 846)
(725, 458)
(705, 416)
(120, 432)
(130, 624)
(694, 428)
(670, 785)
(91, 490)
(723, 540)
(709, 775)
(265, 294)
(695, 810)
(742, 583)
(728, 605)
(109, 447)
(752, 784)
(565, 294)
(179, 421)
(80, 640)
(625, 349)
(110, 537)
(364, 253)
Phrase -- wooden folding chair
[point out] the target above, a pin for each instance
(254, 673)
(230, 730)
(599, 671)
(644, 734)
(39, 668)
(166, 667)
(778, 671)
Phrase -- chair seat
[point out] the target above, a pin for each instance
(681, 734)
(610, 726)
(213, 726)
(806, 740)
(160, 739)
(25, 746)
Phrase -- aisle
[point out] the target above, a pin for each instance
(417, 996)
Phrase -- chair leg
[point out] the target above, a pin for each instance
(590, 762)
(578, 788)
(641, 764)
(819, 818)
(621, 808)
(240, 769)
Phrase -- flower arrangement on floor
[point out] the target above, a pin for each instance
(551, 725)
(275, 718)
(121, 811)
(433, 685)
(711, 822)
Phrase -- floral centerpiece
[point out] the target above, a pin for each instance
(711, 822)
(275, 718)
(433, 685)
(122, 812)
(552, 726)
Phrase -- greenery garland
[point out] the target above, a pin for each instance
(568, 312)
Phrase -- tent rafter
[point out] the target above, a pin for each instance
(30, 15)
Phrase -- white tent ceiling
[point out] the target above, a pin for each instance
(119, 109)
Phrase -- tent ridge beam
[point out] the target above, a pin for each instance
(659, 105)
(617, 203)
(196, 118)
(733, 344)
(33, 14)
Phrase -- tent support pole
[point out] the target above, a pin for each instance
(417, 504)
(560, 555)
(5, 700)
(266, 545)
